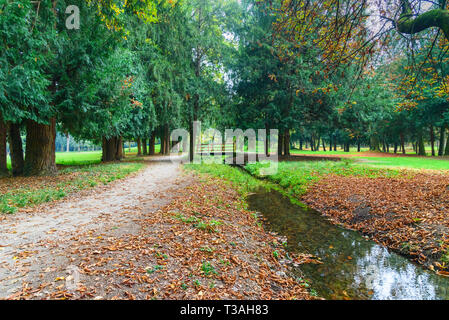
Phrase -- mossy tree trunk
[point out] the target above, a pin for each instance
(410, 23)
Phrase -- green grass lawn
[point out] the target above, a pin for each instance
(402, 162)
(85, 158)
(78, 158)
(242, 181)
(408, 162)
(296, 177)
(321, 152)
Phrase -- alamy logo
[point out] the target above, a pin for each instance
(73, 278)
(210, 146)
(73, 21)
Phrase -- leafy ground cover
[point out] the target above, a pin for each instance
(202, 245)
(408, 215)
(26, 192)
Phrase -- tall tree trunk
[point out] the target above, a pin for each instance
(318, 143)
(68, 142)
(432, 140)
(324, 145)
(167, 139)
(395, 147)
(119, 149)
(15, 149)
(446, 150)
(421, 147)
(144, 145)
(358, 146)
(112, 149)
(281, 144)
(335, 143)
(40, 148)
(3, 162)
(267, 140)
(374, 143)
(108, 147)
(162, 138)
(139, 147)
(286, 142)
(402, 143)
(442, 141)
(191, 143)
(152, 149)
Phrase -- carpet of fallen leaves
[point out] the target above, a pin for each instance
(408, 214)
(203, 245)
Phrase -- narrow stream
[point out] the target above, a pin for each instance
(353, 267)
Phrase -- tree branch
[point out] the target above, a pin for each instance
(410, 24)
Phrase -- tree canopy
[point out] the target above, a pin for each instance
(322, 72)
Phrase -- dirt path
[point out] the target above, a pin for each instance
(34, 246)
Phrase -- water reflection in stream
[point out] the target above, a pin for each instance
(353, 267)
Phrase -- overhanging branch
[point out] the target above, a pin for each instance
(411, 24)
